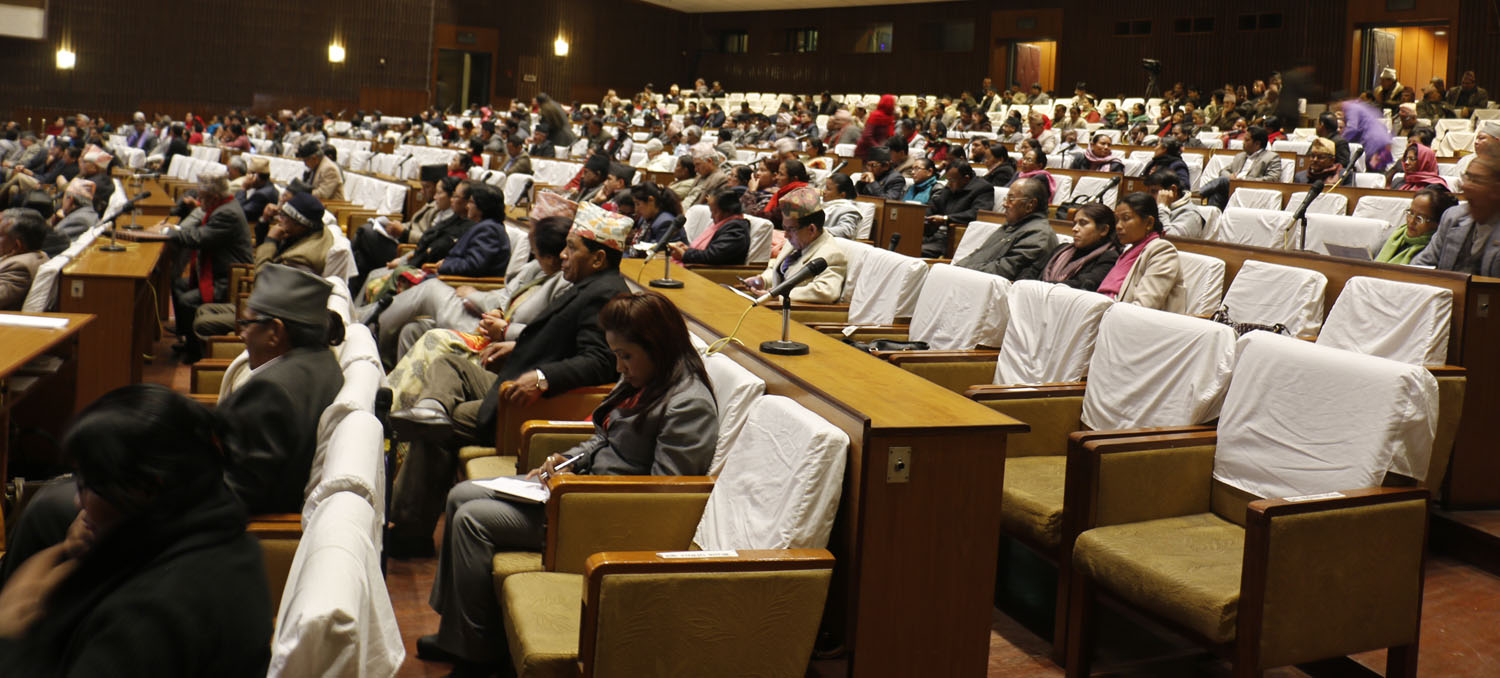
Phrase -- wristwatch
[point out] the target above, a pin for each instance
(541, 381)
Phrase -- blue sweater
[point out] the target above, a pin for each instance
(483, 251)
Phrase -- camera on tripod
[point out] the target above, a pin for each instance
(1152, 66)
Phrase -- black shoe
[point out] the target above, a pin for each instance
(421, 423)
(190, 355)
(465, 669)
(429, 650)
(403, 547)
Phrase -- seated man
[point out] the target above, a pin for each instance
(1322, 168)
(1256, 163)
(710, 179)
(298, 240)
(77, 211)
(22, 232)
(256, 194)
(270, 422)
(954, 205)
(322, 172)
(377, 242)
(803, 218)
(516, 160)
(95, 168)
(880, 179)
(1022, 246)
(452, 199)
(561, 350)
(1179, 216)
(1467, 239)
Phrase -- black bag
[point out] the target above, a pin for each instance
(1241, 329)
(888, 345)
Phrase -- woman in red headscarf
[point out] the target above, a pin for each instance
(878, 127)
(1420, 164)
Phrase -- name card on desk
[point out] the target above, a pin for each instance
(687, 555)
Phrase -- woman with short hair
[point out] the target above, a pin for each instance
(1422, 219)
(726, 242)
(841, 217)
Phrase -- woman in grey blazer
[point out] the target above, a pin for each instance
(660, 419)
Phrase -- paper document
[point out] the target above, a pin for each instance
(41, 322)
(517, 487)
(1347, 251)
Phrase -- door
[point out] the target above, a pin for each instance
(1028, 64)
(463, 80)
(1382, 55)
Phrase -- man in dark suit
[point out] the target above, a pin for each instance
(561, 350)
(957, 204)
(257, 193)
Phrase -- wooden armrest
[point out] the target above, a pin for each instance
(482, 283)
(1103, 486)
(611, 520)
(1345, 499)
(1441, 371)
(527, 459)
(405, 248)
(204, 367)
(205, 399)
(758, 560)
(275, 525)
(1002, 392)
(978, 355)
(940, 260)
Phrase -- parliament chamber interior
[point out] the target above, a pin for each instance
(767, 338)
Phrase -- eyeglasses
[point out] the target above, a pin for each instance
(242, 323)
(1419, 218)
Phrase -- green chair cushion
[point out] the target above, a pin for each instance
(543, 611)
(1032, 504)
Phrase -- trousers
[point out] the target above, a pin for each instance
(459, 386)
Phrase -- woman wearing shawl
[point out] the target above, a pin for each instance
(1422, 220)
(724, 243)
(1084, 263)
(1147, 272)
(1098, 157)
(879, 126)
(1420, 164)
(789, 175)
(1034, 164)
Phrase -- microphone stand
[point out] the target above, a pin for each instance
(784, 345)
(666, 281)
(114, 245)
(1301, 216)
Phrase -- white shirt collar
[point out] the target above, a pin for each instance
(264, 365)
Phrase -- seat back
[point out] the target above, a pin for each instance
(1155, 368)
(887, 288)
(335, 617)
(698, 220)
(351, 460)
(1250, 226)
(42, 296)
(735, 390)
(1259, 198)
(1203, 281)
(855, 252)
(1268, 294)
(1389, 209)
(1362, 232)
(761, 236)
(1088, 187)
(1327, 203)
(780, 488)
(960, 309)
(520, 248)
(1396, 320)
(867, 212)
(975, 234)
(1050, 334)
(1064, 189)
(517, 189)
(1303, 419)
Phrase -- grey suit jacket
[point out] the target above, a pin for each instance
(674, 436)
(1015, 252)
(16, 274)
(1264, 166)
(77, 221)
(1461, 245)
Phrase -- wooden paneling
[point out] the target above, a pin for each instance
(1420, 55)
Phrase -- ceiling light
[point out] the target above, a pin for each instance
(66, 59)
(1440, 32)
(335, 53)
(560, 46)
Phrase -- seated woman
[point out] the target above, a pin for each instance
(1147, 272)
(789, 176)
(660, 419)
(656, 212)
(1084, 263)
(724, 243)
(1420, 164)
(1034, 164)
(157, 575)
(761, 186)
(1422, 219)
(841, 217)
(1179, 216)
(1168, 157)
(684, 176)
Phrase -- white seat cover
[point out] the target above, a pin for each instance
(1051, 333)
(735, 390)
(520, 248)
(358, 344)
(1088, 187)
(887, 288)
(517, 188)
(1259, 198)
(1249, 226)
(1064, 189)
(1268, 294)
(335, 617)
(855, 251)
(1363, 232)
(1298, 147)
(866, 219)
(959, 309)
(1327, 203)
(698, 220)
(1369, 179)
(1396, 320)
(340, 260)
(1389, 209)
(1203, 280)
(780, 489)
(975, 234)
(1000, 193)
(43, 293)
(1291, 428)
(362, 379)
(351, 460)
(1216, 164)
(761, 235)
(1153, 368)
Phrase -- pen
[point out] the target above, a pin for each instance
(566, 463)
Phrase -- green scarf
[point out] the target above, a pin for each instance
(1400, 248)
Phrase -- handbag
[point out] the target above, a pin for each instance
(887, 345)
(1241, 329)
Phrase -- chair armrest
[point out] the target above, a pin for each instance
(224, 347)
(575, 405)
(588, 514)
(489, 283)
(543, 438)
(1113, 479)
(275, 525)
(989, 392)
(405, 248)
(207, 374)
(956, 371)
(1344, 570)
(205, 399)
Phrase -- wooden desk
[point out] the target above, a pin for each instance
(913, 587)
(33, 393)
(906, 218)
(117, 287)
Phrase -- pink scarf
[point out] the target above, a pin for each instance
(1051, 180)
(1116, 276)
(707, 236)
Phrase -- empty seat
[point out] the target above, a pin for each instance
(1088, 187)
(1134, 384)
(1327, 203)
(1258, 198)
(960, 309)
(1270, 294)
(1396, 320)
(1202, 281)
(1258, 227)
(1050, 335)
(887, 288)
(1064, 189)
(1389, 209)
(1362, 232)
(735, 391)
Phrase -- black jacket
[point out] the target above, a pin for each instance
(1002, 175)
(729, 247)
(182, 594)
(436, 241)
(1092, 274)
(1170, 164)
(565, 343)
(963, 205)
(224, 238)
(890, 186)
(275, 428)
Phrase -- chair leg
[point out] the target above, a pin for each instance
(1061, 611)
(1080, 626)
(1401, 661)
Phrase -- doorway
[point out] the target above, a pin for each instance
(1418, 52)
(1032, 63)
(463, 80)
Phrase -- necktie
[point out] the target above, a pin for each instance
(786, 264)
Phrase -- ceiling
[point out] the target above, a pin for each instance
(705, 6)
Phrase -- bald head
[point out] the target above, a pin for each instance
(1033, 188)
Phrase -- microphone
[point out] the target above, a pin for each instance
(809, 270)
(677, 225)
(1113, 182)
(1349, 171)
(895, 238)
(837, 167)
(666, 280)
(1301, 215)
(128, 206)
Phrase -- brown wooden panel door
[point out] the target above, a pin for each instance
(1028, 67)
